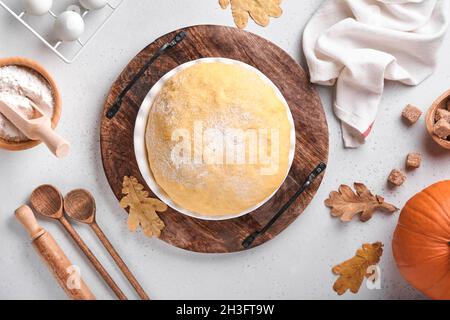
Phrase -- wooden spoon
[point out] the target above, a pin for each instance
(48, 201)
(80, 205)
(38, 128)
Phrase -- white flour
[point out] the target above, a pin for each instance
(19, 86)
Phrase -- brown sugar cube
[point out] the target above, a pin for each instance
(414, 160)
(411, 114)
(442, 129)
(448, 104)
(442, 114)
(397, 177)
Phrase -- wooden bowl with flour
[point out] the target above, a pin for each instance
(57, 105)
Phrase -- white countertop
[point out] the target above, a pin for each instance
(296, 265)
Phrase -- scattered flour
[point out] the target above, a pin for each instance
(18, 87)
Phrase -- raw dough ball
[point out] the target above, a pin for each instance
(69, 26)
(93, 4)
(222, 97)
(38, 7)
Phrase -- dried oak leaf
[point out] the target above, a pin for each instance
(352, 272)
(142, 208)
(259, 10)
(346, 203)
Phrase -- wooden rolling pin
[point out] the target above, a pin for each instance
(60, 266)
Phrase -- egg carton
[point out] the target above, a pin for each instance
(57, 45)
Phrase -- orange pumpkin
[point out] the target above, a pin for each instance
(421, 243)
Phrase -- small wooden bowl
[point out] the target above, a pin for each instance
(440, 103)
(23, 62)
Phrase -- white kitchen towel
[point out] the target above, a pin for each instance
(357, 44)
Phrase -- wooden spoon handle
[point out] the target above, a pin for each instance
(120, 263)
(98, 266)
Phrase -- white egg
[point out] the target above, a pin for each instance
(93, 4)
(69, 26)
(38, 7)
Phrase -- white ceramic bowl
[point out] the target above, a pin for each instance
(141, 125)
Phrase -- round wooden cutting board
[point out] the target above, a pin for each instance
(218, 41)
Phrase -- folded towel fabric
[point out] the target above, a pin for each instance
(356, 44)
